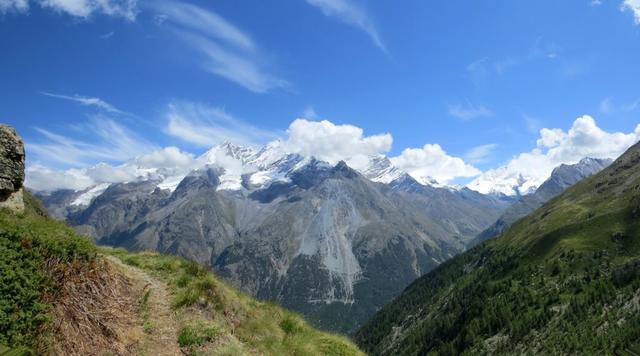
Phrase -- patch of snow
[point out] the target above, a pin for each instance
(87, 197)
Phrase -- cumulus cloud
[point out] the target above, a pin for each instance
(41, 178)
(431, 161)
(528, 170)
(88, 101)
(634, 7)
(351, 14)
(203, 125)
(468, 111)
(222, 48)
(333, 143)
(167, 157)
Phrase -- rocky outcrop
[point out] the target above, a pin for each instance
(11, 169)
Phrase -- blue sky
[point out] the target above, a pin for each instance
(480, 79)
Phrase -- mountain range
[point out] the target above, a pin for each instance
(329, 241)
(326, 240)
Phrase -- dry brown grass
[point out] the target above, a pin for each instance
(92, 310)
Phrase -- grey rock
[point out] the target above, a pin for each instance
(11, 168)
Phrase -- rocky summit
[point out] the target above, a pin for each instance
(11, 169)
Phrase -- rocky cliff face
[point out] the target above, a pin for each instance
(11, 169)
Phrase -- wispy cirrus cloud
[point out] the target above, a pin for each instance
(351, 14)
(87, 101)
(609, 107)
(99, 139)
(468, 111)
(223, 49)
(480, 154)
(203, 126)
(126, 9)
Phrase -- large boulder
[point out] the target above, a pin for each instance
(11, 168)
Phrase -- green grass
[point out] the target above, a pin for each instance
(212, 311)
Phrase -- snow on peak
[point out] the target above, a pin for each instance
(380, 169)
(502, 181)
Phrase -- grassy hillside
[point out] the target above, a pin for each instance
(60, 294)
(565, 279)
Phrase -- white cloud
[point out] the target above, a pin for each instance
(164, 163)
(350, 13)
(107, 35)
(13, 6)
(431, 161)
(634, 7)
(480, 154)
(555, 147)
(168, 157)
(468, 111)
(88, 101)
(102, 140)
(204, 126)
(223, 48)
(332, 143)
(85, 8)
(40, 178)
(205, 21)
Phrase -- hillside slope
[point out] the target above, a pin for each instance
(59, 294)
(565, 279)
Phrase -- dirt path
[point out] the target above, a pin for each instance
(159, 335)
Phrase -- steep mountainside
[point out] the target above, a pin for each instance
(320, 239)
(561, 178)
(563, 280)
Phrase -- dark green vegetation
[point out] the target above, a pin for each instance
(33, 253)
(565, 279)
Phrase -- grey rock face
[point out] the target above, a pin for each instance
(562, 177)
(11, 168)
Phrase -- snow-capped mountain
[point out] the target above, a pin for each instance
(324, 239)
(512, 181)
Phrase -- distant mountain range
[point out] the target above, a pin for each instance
(331, 242)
